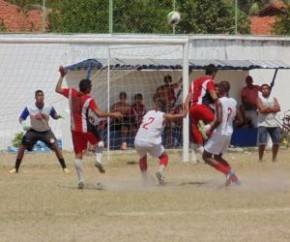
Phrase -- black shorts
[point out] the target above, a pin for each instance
(32, 136)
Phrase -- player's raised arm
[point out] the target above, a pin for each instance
(62, 72)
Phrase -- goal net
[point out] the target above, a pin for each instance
(116, 68)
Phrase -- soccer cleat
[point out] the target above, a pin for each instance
(160, 178)
(100, 167)
(13, 171)
(232, 178)
(236, 180)
(200, 126)
(81, 185)
(66, 171)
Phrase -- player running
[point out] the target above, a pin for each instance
(82, 130)
(148, 138)
(222, 129)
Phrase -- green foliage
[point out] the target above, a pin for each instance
(144, 16)
(16, 142)
(254, 10)
(90, 16)
(2, 26)
(281, 26)
(26, 4)
(214, 17)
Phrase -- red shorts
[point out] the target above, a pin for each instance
(199, 112)
(80, 141)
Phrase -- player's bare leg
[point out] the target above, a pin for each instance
(261, 152)
(18, 160)
(60, 158)
(230, 175)
(275, 149)
(143, 168)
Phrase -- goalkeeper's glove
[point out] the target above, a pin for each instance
(25, 126)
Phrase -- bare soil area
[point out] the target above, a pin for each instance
(41, 203)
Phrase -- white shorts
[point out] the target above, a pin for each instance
(217, 144)
(143, 147)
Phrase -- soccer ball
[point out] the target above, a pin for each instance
(173, 18)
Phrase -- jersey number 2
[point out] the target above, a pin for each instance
(150, 120)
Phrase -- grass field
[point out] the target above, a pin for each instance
(43, 204)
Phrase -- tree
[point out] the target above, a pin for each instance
(78, 16)
(281, 26)
(144, 16)
(210, 17)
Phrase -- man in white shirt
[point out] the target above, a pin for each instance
(220, 132)
(268, 106)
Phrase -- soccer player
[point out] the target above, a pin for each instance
(202, 104)
(148, 138)
(82, 130)
(222, 129)
(39, 129)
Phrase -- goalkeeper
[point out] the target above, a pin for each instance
(39, 129)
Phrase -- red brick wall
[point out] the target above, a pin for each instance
(16, 20)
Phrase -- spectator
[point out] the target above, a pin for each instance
(122, 124)
(202, 105)
(138, 110)
(166, 92)
(268, 106)
(249, 95)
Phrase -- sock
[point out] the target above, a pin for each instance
(163, 163)
(17, 164)
(79, 169)
(200, 149)
(224, 169)
(99, 152)
(62, 163)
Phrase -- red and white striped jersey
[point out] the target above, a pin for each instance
(80, 104)
(200, 89)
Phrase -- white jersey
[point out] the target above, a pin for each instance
(38, 117)
(267, 119)
(219, 142)
(229, 111)
(151, 127)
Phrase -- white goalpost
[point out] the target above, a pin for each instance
(132, 65)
